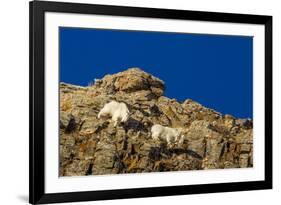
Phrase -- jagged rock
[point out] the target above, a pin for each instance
(132, 80)
(243, 160)
(92, 146)
(77, 168)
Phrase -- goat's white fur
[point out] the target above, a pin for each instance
(166, 133)
(117, 111)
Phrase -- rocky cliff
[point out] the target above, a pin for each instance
(92, 146)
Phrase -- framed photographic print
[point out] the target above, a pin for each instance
(141, 102)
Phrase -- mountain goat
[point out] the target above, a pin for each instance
(166, 133)
(117, 111)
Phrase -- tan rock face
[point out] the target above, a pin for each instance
(92, 146)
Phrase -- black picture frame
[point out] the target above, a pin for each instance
(37, 193)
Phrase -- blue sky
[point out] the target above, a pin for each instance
(214, 70)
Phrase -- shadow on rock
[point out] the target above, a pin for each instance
(133, 124)
(157, 153)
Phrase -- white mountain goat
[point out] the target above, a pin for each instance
(166, 133)
(117, 111)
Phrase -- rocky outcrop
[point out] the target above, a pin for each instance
(92, 146)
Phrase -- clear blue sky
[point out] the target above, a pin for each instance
(213, 70)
